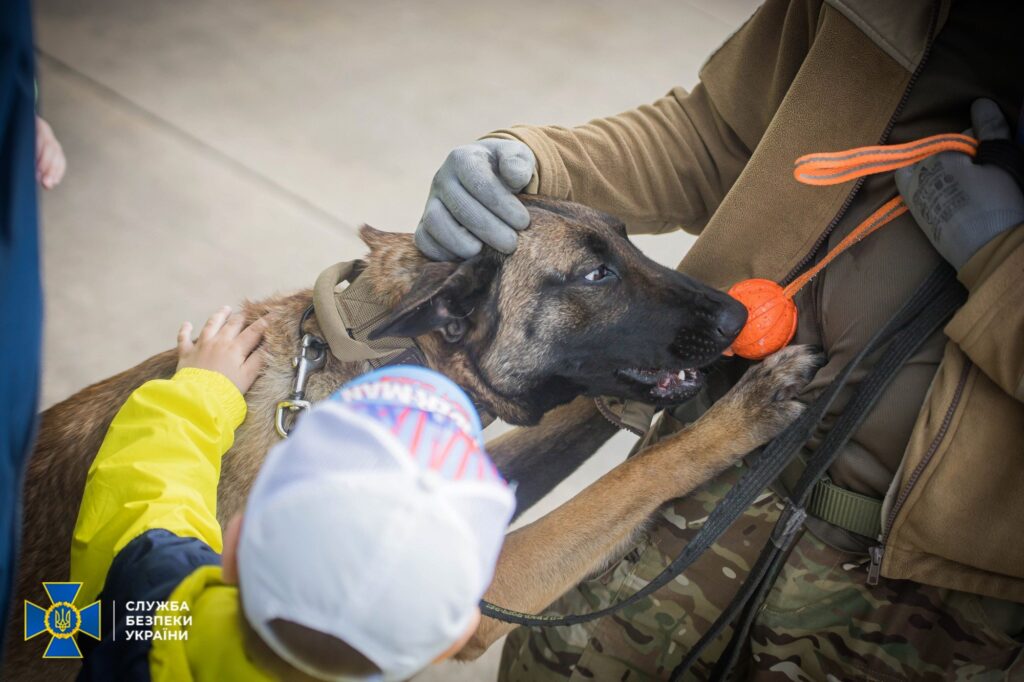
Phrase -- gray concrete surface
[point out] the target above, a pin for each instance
(226, 150)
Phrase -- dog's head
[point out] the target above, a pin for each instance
(576, 310)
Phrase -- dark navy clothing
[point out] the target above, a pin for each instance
(147, 569)
(20, 288)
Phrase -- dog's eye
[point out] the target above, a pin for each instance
(599, 273)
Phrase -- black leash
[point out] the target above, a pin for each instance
(933, 303)
(765, 468)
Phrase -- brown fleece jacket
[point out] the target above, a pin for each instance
(945, 445)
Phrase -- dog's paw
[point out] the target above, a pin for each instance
(763, 402)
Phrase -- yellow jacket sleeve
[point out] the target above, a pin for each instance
(158, 467)
(989, 327)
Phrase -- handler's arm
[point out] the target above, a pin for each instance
(670, 164)
(989, 328)
(157, 468)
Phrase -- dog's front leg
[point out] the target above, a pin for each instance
(543, 560)
(537, 458)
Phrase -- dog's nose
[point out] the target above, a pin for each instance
(730, 320)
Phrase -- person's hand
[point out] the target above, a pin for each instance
(472, 200)
(224, 346)
(959, 204)
(50, 161)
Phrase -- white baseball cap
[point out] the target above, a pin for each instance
(377, 522)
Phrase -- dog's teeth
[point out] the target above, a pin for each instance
(682, 374)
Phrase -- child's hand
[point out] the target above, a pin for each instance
(223, 346)
(50, 162)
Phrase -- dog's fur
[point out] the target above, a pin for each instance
(523, 334)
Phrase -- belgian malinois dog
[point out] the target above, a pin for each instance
(576, 311)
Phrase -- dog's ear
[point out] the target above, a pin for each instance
(379, 240)
(442, 298)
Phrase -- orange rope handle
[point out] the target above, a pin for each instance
(888, 212)
(836, 167)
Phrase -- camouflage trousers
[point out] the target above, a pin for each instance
(820, 621)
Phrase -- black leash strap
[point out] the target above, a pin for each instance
(944, 296)
(764, 469)
(1005, 154)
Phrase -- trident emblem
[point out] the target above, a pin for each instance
(62, 618)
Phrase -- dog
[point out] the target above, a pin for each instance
(576, 311)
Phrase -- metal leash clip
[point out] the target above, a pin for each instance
(312, 356)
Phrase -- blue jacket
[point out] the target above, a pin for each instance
(21, 298)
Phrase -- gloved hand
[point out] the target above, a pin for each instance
(959, 204)
(472, 200)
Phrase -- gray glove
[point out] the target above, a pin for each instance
(472, 200)
(959, 204)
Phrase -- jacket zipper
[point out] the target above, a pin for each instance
(878, 552)
(806, 260)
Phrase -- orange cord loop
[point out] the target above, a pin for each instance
(885, 214)
(837, 167)
(771, 314)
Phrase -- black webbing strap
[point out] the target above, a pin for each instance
(1005, 154)
(764, 469)
(942, 295)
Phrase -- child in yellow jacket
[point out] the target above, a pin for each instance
(362, 553)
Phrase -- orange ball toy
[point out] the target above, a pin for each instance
(771, 313)
(771, 318)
